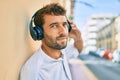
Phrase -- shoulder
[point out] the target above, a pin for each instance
(33, 59)
(30, 67)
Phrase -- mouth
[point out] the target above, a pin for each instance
(62, 39)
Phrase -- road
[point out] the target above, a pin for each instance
(102, 68)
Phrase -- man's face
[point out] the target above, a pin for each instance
(55, 31)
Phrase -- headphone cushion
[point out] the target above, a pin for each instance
(69, 26)
(39, 32)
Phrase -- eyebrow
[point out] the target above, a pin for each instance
(53, 23)
(56, 23)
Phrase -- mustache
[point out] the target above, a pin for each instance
(62, 35)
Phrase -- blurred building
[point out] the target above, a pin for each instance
(99, 33)
(117, 28)
(106, 36)
(90, 37)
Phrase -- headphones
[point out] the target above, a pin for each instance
(36, 32)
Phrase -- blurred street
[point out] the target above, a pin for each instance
(102, 68)
(80, 71)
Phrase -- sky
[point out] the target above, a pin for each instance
(83, 9)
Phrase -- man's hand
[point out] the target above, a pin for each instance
(76, 35)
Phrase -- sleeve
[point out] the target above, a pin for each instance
(30, 69)
(27, 73)
(71, 51)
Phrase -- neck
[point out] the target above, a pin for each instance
(51, 52)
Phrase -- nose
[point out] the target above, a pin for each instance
(63, 29)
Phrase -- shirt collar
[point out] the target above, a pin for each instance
(50, 59)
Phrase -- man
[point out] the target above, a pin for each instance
(50, 61)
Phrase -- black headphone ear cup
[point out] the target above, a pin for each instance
(69, 26)
(36, 33)
(33, 33)
(39, 32)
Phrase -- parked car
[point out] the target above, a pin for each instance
(100, 52)
(108, 54)
(105, 53)
(116, 56)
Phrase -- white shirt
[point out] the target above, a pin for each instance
(42, 67)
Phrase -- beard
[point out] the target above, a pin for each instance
(55, 43)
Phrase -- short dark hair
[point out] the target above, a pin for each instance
(50, 9)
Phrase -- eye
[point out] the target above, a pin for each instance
(53, 25)
(65, 24)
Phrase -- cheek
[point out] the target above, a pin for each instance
(49, 35)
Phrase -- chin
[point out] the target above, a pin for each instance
(60, 47)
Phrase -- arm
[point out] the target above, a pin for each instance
(76, 35)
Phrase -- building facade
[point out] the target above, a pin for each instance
(117, 28)
(106, 36)
(100, 33)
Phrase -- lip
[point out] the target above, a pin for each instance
(62, 38)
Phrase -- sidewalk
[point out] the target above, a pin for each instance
(79, 71)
